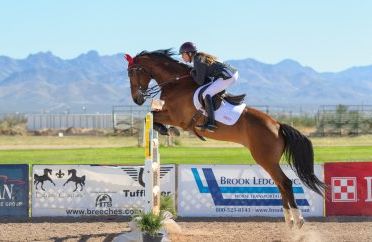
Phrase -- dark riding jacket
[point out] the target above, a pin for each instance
(203, 73)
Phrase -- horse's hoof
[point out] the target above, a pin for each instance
(174, 131)
(290, 224)
(210, 130)
(200, 128)
(300, 223)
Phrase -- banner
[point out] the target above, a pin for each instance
(88, 190)
(351, 188)
(239, 191)
(14, 192)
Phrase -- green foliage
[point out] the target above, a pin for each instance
(148, 222)
(341, 109)
(167, 204)
(177, 142)
(304, 120)
(343, 121)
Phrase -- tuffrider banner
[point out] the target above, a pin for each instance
(239, 191)
(88, 190)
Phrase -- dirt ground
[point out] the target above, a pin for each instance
(260, 229)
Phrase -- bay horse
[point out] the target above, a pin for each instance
(266, 138)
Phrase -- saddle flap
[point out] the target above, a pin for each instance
(226, 113)
(234, 100)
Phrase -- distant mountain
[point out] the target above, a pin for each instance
(44, 82)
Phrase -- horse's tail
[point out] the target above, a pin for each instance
(300, 155)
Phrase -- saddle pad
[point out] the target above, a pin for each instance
(227, 113)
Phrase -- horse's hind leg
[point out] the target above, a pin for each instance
(284, 185)
(267, 154)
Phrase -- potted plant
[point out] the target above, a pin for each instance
(150, 224)
(167, 205)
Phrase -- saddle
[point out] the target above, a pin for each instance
(221, 96)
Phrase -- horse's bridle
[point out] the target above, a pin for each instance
(154, 90)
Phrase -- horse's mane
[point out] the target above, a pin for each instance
(165, 54)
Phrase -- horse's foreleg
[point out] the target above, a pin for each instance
(49, 179)
(161, 118)
(66, 182)
(42, 186)
(161, 128)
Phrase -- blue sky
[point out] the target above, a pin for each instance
(326, 35)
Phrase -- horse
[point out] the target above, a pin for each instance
(76, 179)
(266, 138)
(41, 179)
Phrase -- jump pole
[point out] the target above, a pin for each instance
(152, 167)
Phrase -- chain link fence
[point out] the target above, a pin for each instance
(128, 120)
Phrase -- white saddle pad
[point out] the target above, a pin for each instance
(227, 113)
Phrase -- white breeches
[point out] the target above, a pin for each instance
(220, 85)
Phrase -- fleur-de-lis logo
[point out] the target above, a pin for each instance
(60, 174)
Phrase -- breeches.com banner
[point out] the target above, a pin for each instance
(88, 190)
(239, 191)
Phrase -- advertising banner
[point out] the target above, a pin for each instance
(14, 192)
(88, 190)
(239, 191)
(351, 188)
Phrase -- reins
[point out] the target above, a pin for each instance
(154, 90)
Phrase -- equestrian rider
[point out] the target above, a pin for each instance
(207, 69)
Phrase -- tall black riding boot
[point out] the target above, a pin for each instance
(210, 125)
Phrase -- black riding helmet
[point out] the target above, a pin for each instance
(187, 47)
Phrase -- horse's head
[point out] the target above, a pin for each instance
(139, 76)
(72, 171)
(46, 171)
(158, 65)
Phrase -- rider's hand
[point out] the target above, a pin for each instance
(193, 73)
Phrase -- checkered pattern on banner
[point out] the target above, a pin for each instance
(344, 189)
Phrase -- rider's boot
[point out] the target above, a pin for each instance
(210, 124)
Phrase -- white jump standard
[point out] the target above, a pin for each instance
(152, 167)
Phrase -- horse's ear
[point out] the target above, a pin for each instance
(129, 59)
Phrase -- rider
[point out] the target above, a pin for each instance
(207, 69)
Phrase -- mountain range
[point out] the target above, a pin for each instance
(43, 82)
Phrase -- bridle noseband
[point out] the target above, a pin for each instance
(154, 90)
